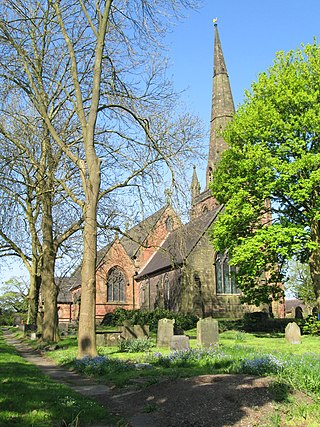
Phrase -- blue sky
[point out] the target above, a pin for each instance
(251, 32)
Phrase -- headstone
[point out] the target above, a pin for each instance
(110, 339)
(128, 332)
(165, 332)
(100, 340)
(207, 332)
(63, 326)
(33, 336)
(141, 332)
(293, 333)
(179, 343)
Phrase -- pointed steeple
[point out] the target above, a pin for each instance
(195, 185)
(222, 107)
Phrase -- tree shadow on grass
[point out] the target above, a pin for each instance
(205, 401)
(29, 398)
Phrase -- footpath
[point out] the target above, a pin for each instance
(85, 386)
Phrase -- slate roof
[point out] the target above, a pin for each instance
(137, 235)
(134, 238)
(291, 303)
(179, 244)
(65, 294)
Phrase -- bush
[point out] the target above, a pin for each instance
(151, 318)
(311, 326)
(135, 345)
(260, 322)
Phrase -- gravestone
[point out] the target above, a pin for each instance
(207, 332)
(63, 326)
(112, 339)
(127, 331)
(179, 343)
(33, 336)
(165, 332)
(293, 333)
(142, 331)
(100, 342)
(109, 339)
(130, 332)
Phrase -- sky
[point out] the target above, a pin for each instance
(251, 32)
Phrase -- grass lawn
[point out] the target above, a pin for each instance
(28, 398)
(294, 368)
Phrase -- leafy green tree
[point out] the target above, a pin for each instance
(13, 298)
(299, 282)
(269, 179)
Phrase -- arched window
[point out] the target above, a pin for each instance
(225, 275)
(166, 291)
(169, 223)
(116, 282)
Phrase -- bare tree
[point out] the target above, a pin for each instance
(95, 74)
(30, 172)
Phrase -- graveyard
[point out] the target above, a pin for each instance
(272, 377)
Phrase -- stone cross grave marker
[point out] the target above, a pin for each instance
(207, 332)
(165, 332)
(293, 333)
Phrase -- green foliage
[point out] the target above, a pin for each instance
(299, 282)
(253, 323)
(311, 326)
(135, 345)
(13, 300)
(273, 167)
(151, 318)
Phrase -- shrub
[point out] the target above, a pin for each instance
(260, 322)
(135, 345)
(311, 326)
(151, 318)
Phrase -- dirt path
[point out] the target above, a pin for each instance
(204, 401)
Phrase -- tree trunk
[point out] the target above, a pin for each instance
(49, 288)
(87, 324)
(33, 296)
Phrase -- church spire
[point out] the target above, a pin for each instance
(195, 185)
(222, 107)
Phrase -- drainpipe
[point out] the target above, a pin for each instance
(133, 292)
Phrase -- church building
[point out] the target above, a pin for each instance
(163, 263)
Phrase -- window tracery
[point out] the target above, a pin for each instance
(116, 285)
(225, 275)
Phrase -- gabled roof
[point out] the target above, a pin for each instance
(131, 243)
(65, 294)
(137, 235)
(179, 244)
